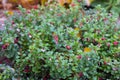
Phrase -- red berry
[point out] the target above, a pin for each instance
(59, 14)
(99, 78)
(0, 62)
(7, 61)
(79, 57)
(74, 20)
(56, 39)
(46, 77)
(105, 19)
(27, 69)
(13, 22)
(88, 39)
(16, 40)
(28, 11)
(103, 38)
(68, 47)
(5, 46)
(35, 7)
(105, 62)
(80, 74)
(108, 44)
(79, 0)
(73, 4)
(116, 43)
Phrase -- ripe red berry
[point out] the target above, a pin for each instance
(0, 62)
(74, 20)
(116, 43)
(5, 46)
(80, 74)
(79, 0)
(35, 7)
(68, 47)
(105, 63)
(73, 4)
(16, 40)
(79, 57)
(27, 69)
(28, 11)
(100, 79)
(55, 38)
(13, 22)
(105, 19)
(88, 39)
(59, 14)
(103, 38)
(108, 44)
(46, 77)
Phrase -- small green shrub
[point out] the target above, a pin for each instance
(6, 72)
(58, 43)
(109, 5)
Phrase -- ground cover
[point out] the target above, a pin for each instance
(55, 43)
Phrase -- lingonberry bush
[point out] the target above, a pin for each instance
(55, 43)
